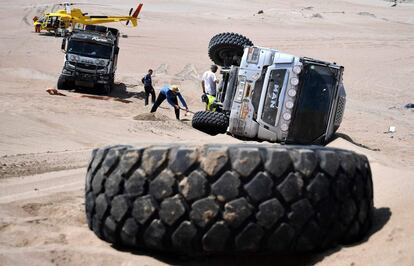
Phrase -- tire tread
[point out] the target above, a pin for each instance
(307, 207)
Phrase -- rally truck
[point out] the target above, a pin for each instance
(91, 57)
(269, 95)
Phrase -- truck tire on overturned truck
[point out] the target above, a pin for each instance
(212, 123)
(226, 49)
(211, 199)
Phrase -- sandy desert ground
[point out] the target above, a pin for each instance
(45, 141)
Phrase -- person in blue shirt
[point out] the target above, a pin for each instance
(149, 89)
(170, 93)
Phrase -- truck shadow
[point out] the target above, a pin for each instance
(120, 91)
(49, 34)
(381, 216)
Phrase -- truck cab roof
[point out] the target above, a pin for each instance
(98, 34)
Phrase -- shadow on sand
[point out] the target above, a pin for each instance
(118, 91)
(49, 34)
(381, 216)
(348, 138)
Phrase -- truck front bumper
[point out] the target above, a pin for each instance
(86, 79)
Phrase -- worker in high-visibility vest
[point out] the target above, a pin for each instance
(209, 100)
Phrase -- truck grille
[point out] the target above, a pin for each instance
(88, 67)
(339, 111)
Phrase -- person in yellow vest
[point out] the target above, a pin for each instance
(209, 101)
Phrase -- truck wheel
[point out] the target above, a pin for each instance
(196, 200)
(226, 49)
(107, 89)
(212, 123)
(103, 89)
(62, 84)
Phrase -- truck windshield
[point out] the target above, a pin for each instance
(90, 49)
(316, 93)
(271, 104)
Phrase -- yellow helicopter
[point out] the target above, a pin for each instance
(61, 21)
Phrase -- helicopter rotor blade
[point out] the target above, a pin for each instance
(130, 12)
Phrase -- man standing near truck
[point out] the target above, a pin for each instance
(170, 93)
(209, 81)
(209, 85)
(149, 89)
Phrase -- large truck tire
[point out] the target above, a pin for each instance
(107, 89)
(212, 199)
(62, 83)
(226, 49)
(212, 123)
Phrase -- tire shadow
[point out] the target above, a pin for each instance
(381, 216)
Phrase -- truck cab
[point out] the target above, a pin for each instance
(279, 97)
(91, 57)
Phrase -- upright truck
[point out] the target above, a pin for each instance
(91, 57)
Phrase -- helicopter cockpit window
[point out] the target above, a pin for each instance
(89, 49)
(53, 22)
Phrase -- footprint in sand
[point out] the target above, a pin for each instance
(33, 208)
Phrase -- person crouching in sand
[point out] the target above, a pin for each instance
(170, 93)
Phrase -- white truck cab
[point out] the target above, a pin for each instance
(283, 98)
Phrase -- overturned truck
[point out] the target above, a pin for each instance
(269, 95)
(241, 198)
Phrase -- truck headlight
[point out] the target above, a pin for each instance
(294, 81)
(292, 93)
(297, 70)
(287, 116)
(74, 58)
(101, 62)
(284, 127)
(289, 104)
